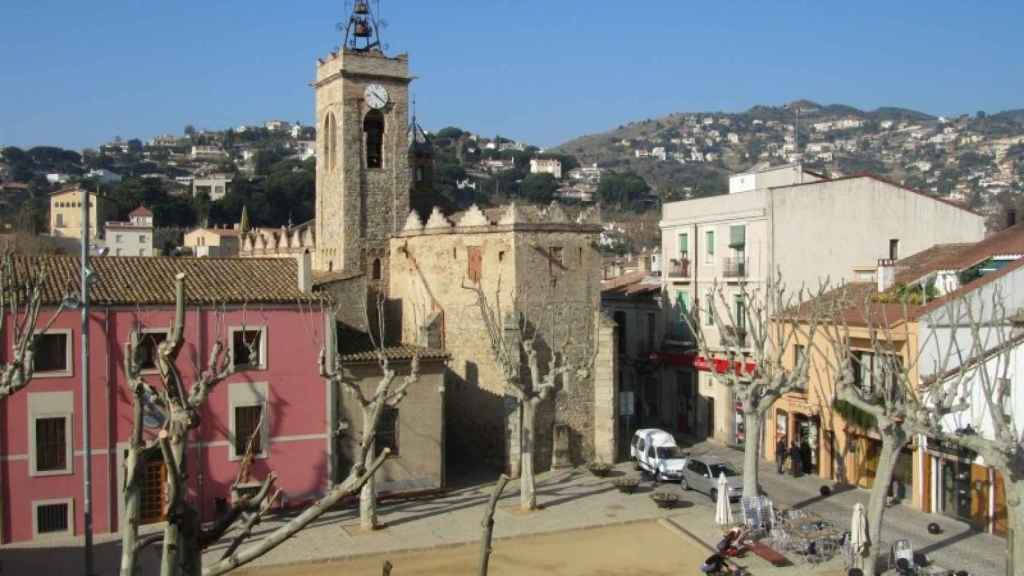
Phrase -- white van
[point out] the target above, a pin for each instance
(655, 451)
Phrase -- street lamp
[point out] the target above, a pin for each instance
(87, 277)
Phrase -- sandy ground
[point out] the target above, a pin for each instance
(632, 549)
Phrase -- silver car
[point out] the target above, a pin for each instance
(701, 473)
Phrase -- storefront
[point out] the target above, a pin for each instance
(958, 484)
(801, 427)
(866, 452)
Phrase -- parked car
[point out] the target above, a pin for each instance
(655, 451)
(701, 473)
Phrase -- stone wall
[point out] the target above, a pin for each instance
(538, 263)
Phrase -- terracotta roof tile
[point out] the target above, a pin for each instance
(128, 280)
(141, 211)
(400, 352)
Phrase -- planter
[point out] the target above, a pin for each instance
(664, 499)
(626, 484)
(600, 469)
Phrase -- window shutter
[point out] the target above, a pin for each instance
(737, 236)
(684, 244)
(710, 241)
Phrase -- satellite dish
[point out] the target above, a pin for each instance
(153, 416)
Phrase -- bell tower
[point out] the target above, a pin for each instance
(362, 170)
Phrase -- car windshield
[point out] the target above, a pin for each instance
(670, 452)
(719, 469)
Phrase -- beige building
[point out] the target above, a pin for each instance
(213, 242)
(66, 213)
(539, 264)
(551, 166)
(807, 232)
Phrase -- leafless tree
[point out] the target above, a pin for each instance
(878, 386)
(184, 539)
(513, 340)
(758, 374)
(971, 401)
(371, 408)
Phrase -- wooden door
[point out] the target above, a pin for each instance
(154, 492)
(926, 484)
(999, 525)
(979, 496)
(475, 264)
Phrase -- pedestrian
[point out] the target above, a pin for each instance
(794, 460)
(780, 453)
(805, 457)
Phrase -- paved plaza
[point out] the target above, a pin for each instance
(571, 499)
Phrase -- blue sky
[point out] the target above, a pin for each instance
(77, 74)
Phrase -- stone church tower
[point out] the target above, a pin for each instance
(363, 174)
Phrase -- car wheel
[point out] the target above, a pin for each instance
(657, 477)
(683, 484)
(636, 465)
(714, 494)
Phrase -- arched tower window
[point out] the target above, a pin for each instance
(373, 126)
(330, 141)
(376, 274)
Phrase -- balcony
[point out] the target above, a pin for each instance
(734, 267)
(731, 336)
(679, 268)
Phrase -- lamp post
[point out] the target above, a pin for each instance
(86, 419)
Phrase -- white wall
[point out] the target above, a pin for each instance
(824, 229)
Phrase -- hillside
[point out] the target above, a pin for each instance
(976, 159)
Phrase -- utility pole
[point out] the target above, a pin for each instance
(86, 417)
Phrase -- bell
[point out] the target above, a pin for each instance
(362, 29)
(362, 8)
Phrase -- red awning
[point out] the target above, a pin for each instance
(722, 365)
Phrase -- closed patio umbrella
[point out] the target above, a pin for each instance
(723, 512)
(858, 536)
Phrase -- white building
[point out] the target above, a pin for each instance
(104, 176)
(131, 238)
(215, 186)
(551, 166)
(762, 176)
(208, 153)
(806, 229)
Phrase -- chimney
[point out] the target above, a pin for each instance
(885, 274)
(305, 273)
(1011, 217)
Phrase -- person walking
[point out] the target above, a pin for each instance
(780, 453)
(794, 460)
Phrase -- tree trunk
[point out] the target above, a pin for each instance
(132, 492)
(488, 525)
(170, 559)
(891, 446)
(130, 523)
(368, 495)
(1015, 517)
(752, 421)
(527, 487)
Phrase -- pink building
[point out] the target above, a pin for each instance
(239, 300)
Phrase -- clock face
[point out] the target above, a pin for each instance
(376, 96)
